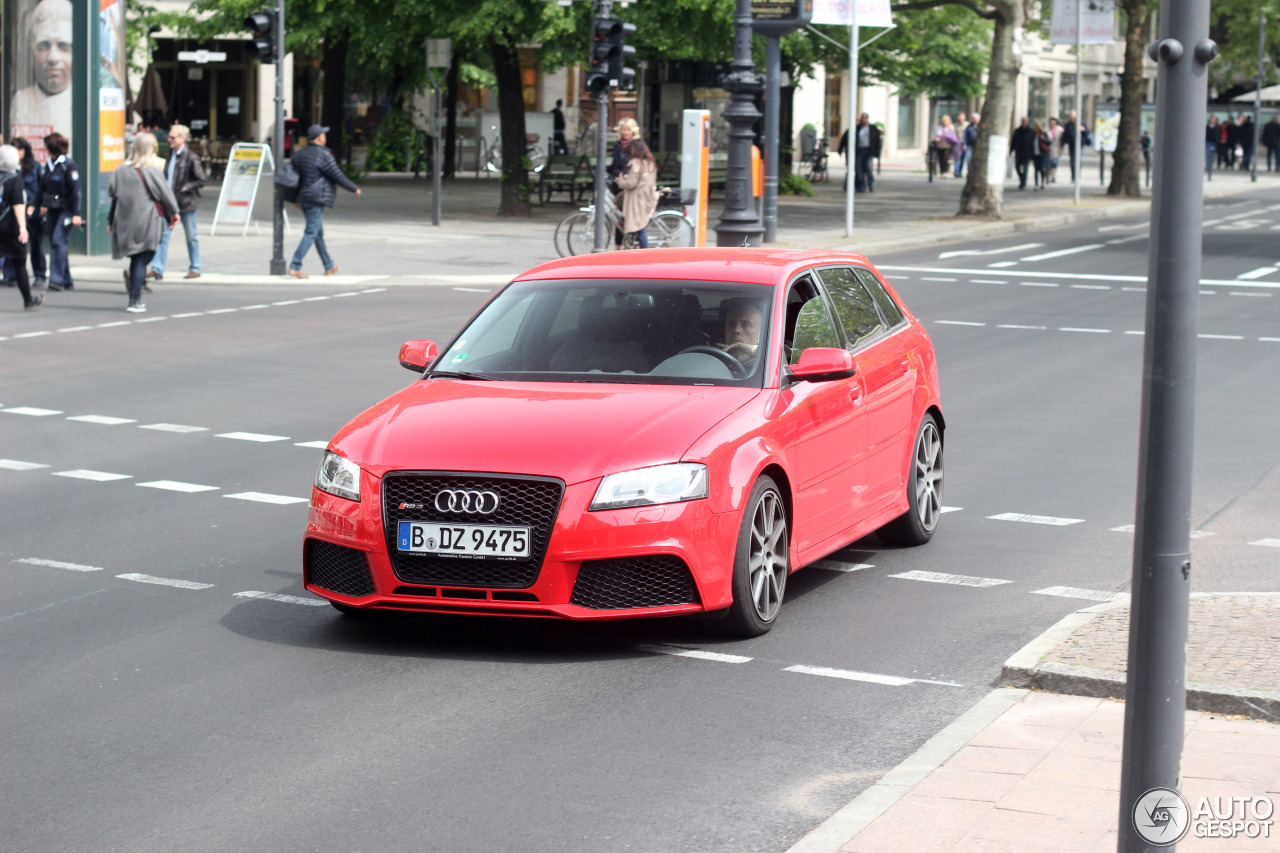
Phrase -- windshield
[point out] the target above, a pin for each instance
(630, 331)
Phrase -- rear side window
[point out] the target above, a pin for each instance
(854, 305)
(891, 312)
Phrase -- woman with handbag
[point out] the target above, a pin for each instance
(142, 207)
(945, 142)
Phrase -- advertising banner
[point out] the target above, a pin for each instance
(111, 75)
(1099, 19)
(41, 70)
(871, 13)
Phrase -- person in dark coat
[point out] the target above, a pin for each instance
(1271, 141)
(32, 171)
(868, 142)
(60, 205)
(317, 173)
(138, 194)
(1023, 145)
(559, 144)
(186, 177)
(13, 222)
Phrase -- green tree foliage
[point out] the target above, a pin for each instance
(1234, 26)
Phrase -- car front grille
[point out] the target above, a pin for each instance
(531, 502)
(650, 581)
(337, 569)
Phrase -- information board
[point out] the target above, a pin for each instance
(245, 165)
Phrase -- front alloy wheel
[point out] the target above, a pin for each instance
(761, 564)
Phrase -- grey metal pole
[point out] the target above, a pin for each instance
(437, 156)
(772, 114)
(1155, 695)
(1076, 154)
(602, 184)
(851, 151)
(1257, 96)
(277, 217)
(739, 225)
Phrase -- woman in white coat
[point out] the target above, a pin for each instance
(639, 191)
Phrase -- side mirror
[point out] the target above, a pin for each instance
(416, 355)
(823, 364)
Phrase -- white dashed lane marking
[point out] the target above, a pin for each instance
(31, 411)
(263, 497)
(1061, 253)
(698, 654)
(1087, 331)
(870, 677)
(958, 323)
(174, 486)
(1076, 592)
(96, 476)
(180, 584)
(957, 580)
(319, 445)
(18, 465)
(58, 564)
(284, 599)
(102, 419)
(1035, 519)
(1129, 528)
(182, 428)
(253, 436)
(837, 566)
(1267, 543)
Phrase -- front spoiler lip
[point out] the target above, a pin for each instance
(527, 609)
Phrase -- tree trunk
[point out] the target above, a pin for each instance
(1126, 171)
(333, 100)
(979, 197)
(515, 175)
(451, 123)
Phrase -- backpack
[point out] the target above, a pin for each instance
(1045, 145)
(287, 182)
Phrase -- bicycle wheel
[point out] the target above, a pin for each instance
(576, 234)
(537, 159)
(669, 229)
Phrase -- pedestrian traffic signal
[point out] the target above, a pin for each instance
(609, 53)
(262, 44)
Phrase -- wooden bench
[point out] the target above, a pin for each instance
(565, 173)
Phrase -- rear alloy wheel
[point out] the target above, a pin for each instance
(924, 491)
(761, 564)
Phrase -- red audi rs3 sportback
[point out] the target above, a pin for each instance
(638, 434)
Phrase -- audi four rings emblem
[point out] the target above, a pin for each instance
(450, 500)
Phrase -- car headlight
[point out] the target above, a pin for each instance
(661, 484)
(339, 476)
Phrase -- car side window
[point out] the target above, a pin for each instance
(888, 308)
(809, 323)
(854, 305)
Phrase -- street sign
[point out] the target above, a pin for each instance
(439, 53)
(779, 17)
(201, 56)
(871, 13)
(1097, 22)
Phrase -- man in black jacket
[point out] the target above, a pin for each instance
(867, 144)
(186, 177)
(317, 173)
(1023, 147)
(1271, 140)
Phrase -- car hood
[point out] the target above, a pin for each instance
(572, 431)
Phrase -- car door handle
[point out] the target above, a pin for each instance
(855, 395)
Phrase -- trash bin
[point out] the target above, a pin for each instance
(808, 142)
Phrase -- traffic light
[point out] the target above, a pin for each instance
(609, 53)
(263, 42)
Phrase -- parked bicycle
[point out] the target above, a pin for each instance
(818, 163)
(492, 157)
(669, 228)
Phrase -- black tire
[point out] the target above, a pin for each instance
(924, 490)
(761, 564)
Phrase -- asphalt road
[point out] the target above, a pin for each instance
(156, 699)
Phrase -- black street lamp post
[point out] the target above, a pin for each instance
(739, 224)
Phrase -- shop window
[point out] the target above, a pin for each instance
(907, 122)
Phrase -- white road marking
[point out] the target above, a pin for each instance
(223, 311)
(837, 566)
(1195, 534)
(263, 497)
(1131, 227)
(32, 411)
(253, 436)
(187, 314)
(113, 324)
(1267, 543)
(96, 476)
(348, 293)
(1260, 272)
(472, 289)
(17, 465)
(32, 335)
(957, 323)
(693, 653)
(1011, 326)
(1091, 287)
(76, 329)
(183, 428)
(288, 302)
(175, 486)
(956, 580)
(1128, 239)
(319, 445)
(375, 290)
(286, 599)
(1122, 279)
(1135, 332)
(262, 305)
(1090, 331)
(870, 677)
(316, 299)
(133, 576)
(952, 508)
(987, 281)
(1035, 519)
(1222, 337)
(102, 419)
(1242, 293)
(1000, 264)
(1134, 289)
(151, 319)
(1025, 246)
(58, 564)
(1269, 339)
(1076, 592)
(931, 278)
(1061, 253)
(1039, 284)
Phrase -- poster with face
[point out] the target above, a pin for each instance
(41, 100)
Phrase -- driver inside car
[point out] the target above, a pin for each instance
(742, 319)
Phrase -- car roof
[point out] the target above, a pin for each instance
(748, 266)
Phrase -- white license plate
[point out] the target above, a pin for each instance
(463, 540)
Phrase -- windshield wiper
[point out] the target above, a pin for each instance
(456, 374)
